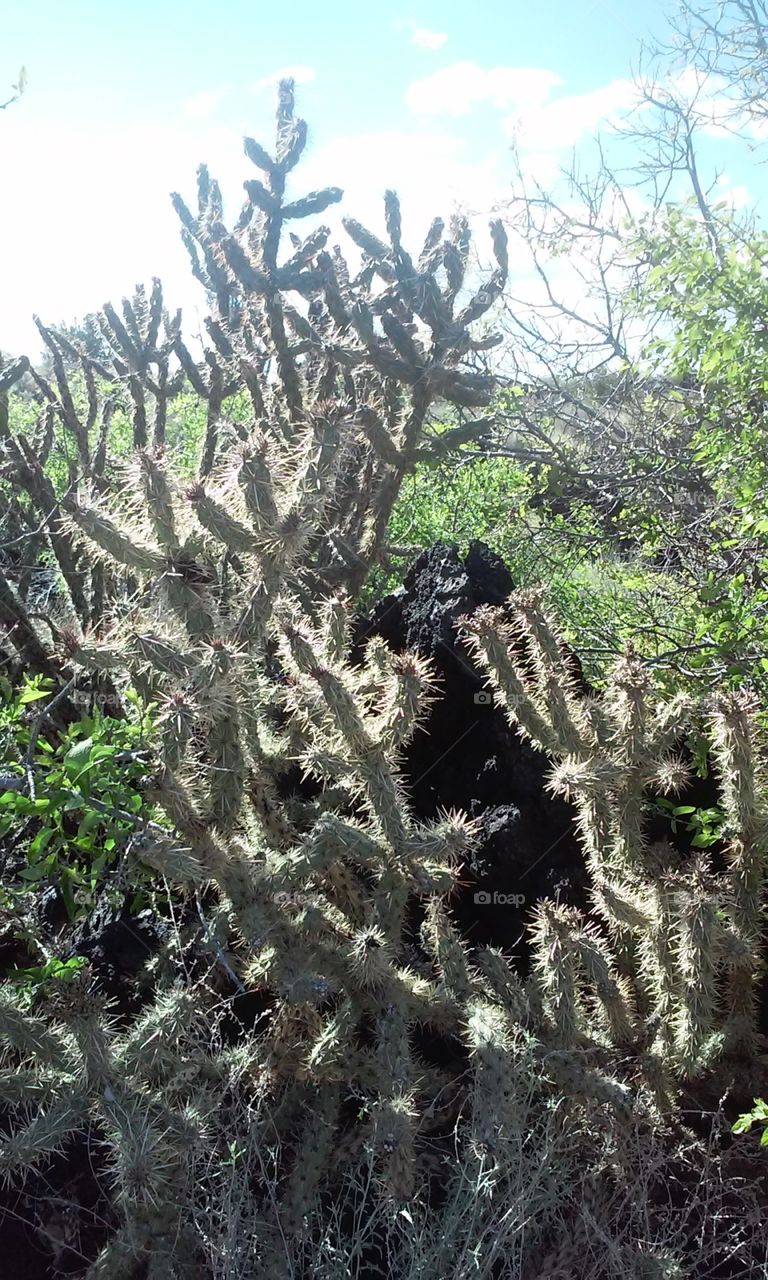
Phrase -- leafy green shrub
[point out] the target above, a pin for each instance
(758, 1115)
(601, 599)
(72, 832)
(41, 978)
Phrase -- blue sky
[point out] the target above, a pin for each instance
(124, 100)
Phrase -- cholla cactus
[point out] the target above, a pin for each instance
(338, 369)
(225, 598)
(122, 1089)
(317, 892)
(683, 945)
(737, 761)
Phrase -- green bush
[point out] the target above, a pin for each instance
(601, 599)
(70, 827)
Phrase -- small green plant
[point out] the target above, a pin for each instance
(71, 827)
(758, 1115)
(705, 826)
(43, 977)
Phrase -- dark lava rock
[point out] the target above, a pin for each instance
(118, 943)
(438, 589)
(468, 757)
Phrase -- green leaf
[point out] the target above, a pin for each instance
(77, 759)
(703, 840)
(33, 873)
(32, 695)
(743, 1124)
(90, 822)
(65, 884)
(14, 800)
(41, 841)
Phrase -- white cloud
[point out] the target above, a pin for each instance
(539, 168)
(423, 37)
(717, 107)
(538, 121)
(298, 72)
(455, 90)
(101, 246)
(431, 171)
(713, 104)
(733, 194)
(551, 126)
(434, 173)
(578, 281)
(427, 39)
(202, 104)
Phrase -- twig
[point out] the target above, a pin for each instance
(37, 724)
(212, 941)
